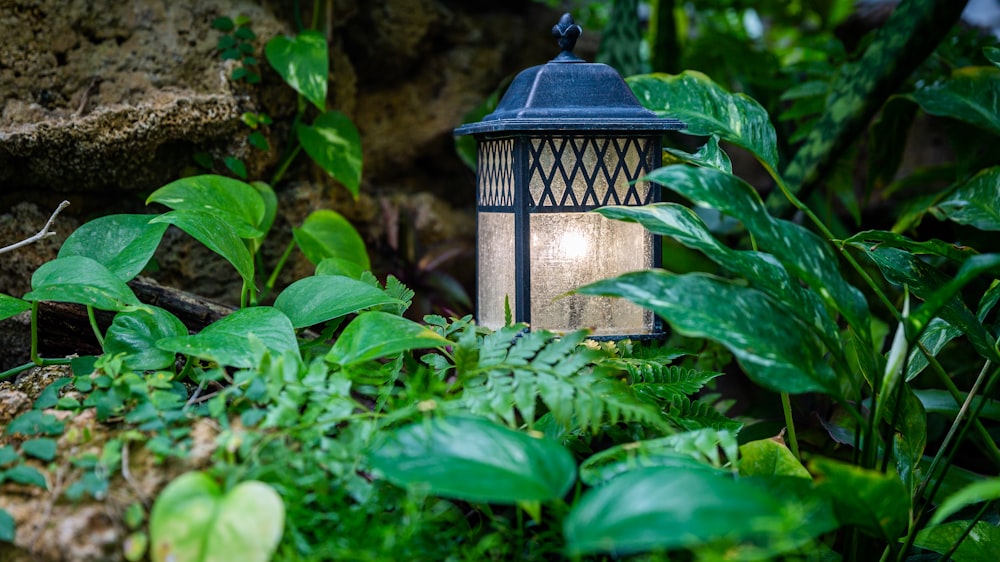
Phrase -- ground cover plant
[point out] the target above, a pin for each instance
(348, 431)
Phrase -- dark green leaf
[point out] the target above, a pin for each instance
(984, 490)
(7, 526)
(884, 134)
(935, 247)
(697, 449)
(42, 448)
(707, 110)
(259, 141)
(228, 341)
(239, 73)
(234, 164)
(975, 202)
(230, 54)
(316, 299)
(327, 234)
(333, 142)
(374, 335)
(80, 280)
(709, 155)
(941, 402)
(971, 94)
(866, 498)
(24, 474)
(981, 545)
(223, 23)
(8, 455)
(225, 42)
(230, 200)
(476, 460)
(744, 320)
(135, 334)
(217, 235)
(303, 62)
(11, 306)
(122, 243)
(245, 33)
(35, 422)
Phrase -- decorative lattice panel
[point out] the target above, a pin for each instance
(495, 173)
(607, 166)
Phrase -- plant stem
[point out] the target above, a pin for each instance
(982, 511)
(285, 164)
(273, 278)
(34, 334)
(21, 368)
(786, 407)
(94, 326)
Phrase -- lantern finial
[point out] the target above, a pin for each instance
(567, 32)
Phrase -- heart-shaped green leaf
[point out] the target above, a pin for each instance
(975, 202)
(333, 142)
(227, 341)
(327, 234)
(320, 298)
(43, 448)
(866, 498)
(135, 334)
(303, 61)
(767, 457)
(374, 335)
(193, 520)
(474, 459)
(123, 243)
(981, 544)
(80, 280)
(337, 266)
(217, 235)
(232, 201)
(708, 110)
(11, 306)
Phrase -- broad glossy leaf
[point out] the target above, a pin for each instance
(954, 252)
(910, 438)
(217, 235)
(270, 199)
(193, 519)
(981, 545)
(803, 253)
(227, 341)
(697, 449)
(774, 348)
(866, 498)
(327, 234)
(709, 155)
(303, 61)
(339, 266)
(11, 306)
(333, 142)
(985, 490)
(135, 334)
(707, 110)
(767, 457)
(971, 94)
(80, 280)
(232, 201)
(670, 508)
(474, 459)
(975, 202)
(941, 402)
(373, 335)
(316, 299)
(123, 243)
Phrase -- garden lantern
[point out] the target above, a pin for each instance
(567, 137)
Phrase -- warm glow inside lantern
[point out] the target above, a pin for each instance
(568, 137)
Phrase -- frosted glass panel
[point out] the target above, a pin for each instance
(496, 267)
(572, 249)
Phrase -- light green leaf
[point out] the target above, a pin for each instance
(316, 299)
(744, 320)
(971, 94)
(217, 235)
(339, 266)
(303, 61)
(7, 526)
(671, 507)
(985, 490)
(327, 234)
(981, 545)
(475, 460)
(80, 280)
(11, 306)
(232, 201)
(767, 457)
(42, 448)
(122, 243)
(333, 142)
(708, 110)
(373, 335)
(709, 155)
(227, 341)
(866, 498)
(194, 520)
(975, 202)
(135, 334)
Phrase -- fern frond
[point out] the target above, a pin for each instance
(692, 414)
(665, 382)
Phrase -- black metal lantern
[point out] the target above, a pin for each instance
(566, 138)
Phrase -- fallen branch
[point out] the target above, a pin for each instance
(41, 233)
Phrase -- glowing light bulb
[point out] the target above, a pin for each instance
(573, 245)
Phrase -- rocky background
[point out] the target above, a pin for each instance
(103, 101)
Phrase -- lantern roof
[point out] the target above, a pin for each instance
(569, 94)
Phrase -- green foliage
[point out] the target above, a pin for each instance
(236, 43)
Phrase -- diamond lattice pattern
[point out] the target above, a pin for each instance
(496, 173)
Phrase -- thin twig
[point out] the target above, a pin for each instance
(41, 233)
